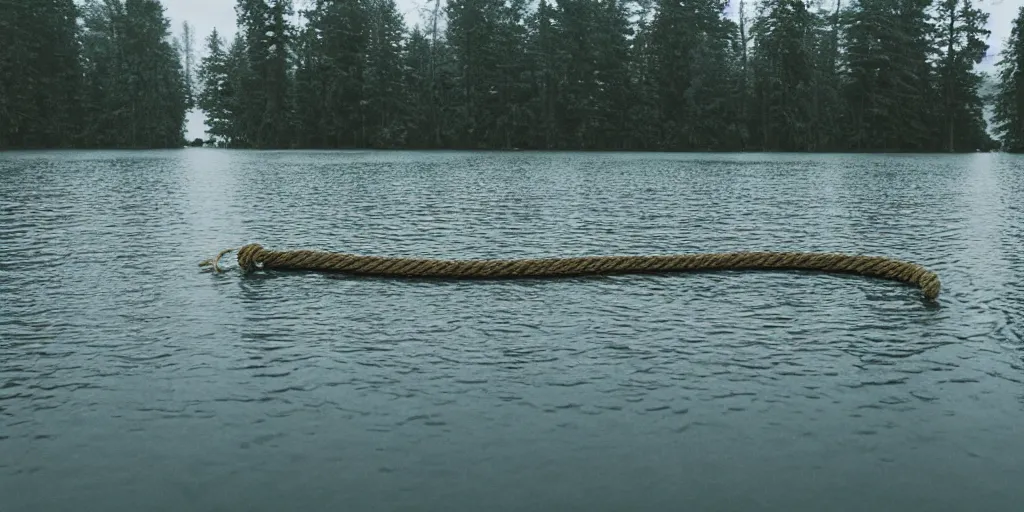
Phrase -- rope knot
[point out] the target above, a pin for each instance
(249, 257)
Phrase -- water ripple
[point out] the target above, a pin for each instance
(123, 367)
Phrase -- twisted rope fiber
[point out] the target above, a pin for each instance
(253, 256)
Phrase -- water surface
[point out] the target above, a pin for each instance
(130, 380)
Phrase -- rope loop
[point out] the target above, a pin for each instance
(212, 262)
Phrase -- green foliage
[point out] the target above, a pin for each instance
(40, 74)
(783, 68)
(890, 83)
(264, 110)
(219, 89)
(680, 75)
(1009, 97)
(104, 74)
(690, 69)
(134, 82)
(960, 37)
(386, 105)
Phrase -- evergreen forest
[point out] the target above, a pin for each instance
(656, 75)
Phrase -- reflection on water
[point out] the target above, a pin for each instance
(129, 380)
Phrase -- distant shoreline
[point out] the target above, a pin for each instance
(525, 150)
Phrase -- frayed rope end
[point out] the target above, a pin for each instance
(213, 262)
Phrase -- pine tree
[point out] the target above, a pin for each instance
(511, 90)
(644, 116)
(134, 91)
(331, 75)
(40, 75)
(693, 50)
(187, 45)
(783, 69)
(961, 35)
(825, 128)
(543, 56)
(472, 33)
(217, 95)
(1009, 98)
(238, 72)
(615, 91)
(890, 84)
(417, 91)
(266, 118)
(385, 104)
(595, 66)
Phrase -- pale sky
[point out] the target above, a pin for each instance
(204, 15)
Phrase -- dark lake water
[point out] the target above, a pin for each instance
(130, 380)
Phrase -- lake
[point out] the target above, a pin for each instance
(130, 380)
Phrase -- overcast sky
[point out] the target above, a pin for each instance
(204, 15)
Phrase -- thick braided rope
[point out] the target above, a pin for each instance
(253, 256)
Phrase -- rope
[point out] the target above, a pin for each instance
(253, 256)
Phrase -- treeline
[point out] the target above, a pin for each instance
(93, 74)
(786, 75)
(873, 75)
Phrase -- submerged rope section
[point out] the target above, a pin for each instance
(253, 256)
